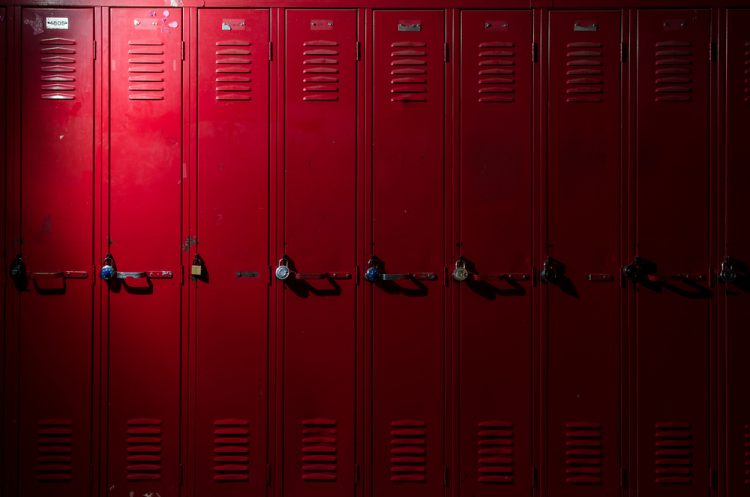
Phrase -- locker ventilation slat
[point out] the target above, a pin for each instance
(319, 451)
(408, 451)
(145, 70)
(674, 453)
(144, 449)
(54, 462)
(495, 452)
(746, 87)
(583, 453)
(585, 72)
(746, 450)
(58, 67)
(408, 71)
(231, 450)
(233, 70)
(320, 72)
(496, 72)
(673, 71)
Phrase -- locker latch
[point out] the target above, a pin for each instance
(551, 271)
(18, 272)
(728, 271)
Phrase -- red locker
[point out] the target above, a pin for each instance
(407, 243)
(146, 175)
(231, 262)
(494, 301)
(735, 272)
(582, 255)
(672, 294)
(52, 271)
(319, 240)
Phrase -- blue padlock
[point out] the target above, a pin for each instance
(373, 274)
(108, 270)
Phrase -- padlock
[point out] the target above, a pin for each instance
(373, 274)
(18, 270)
(460, 273)
(196, 269)
(108, 270)
(282, 271)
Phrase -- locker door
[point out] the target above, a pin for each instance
(53, 280)
(145, 183)
(407, 230)
(581, 269)
(232, 289)
(672, 295)
(319, 243)
(736, 248)
(494, 302)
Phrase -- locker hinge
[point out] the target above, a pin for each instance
(356, 474)
(534, 53)
(713, 478)
(94, 49)
(534, 477)
(624, 478)
(359, 50)
(270, 275)
(269, 475)
(180, 475)
(182, 50)
(182, 274)
(356, 277)
(713, 51)
(446, 476)
(623, 53)
(270, 50)
(447, 52)
(446, 278)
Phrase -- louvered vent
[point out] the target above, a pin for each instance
(319, 452)
(496, 71)
(58, 68)
(746, 81)
(746, 449)
(320, 71)
(584, 454)
(231, 450)
(408, 451)
(409, 71)
(144, 449)
(495, 451)
(674, 453)
(233, 70)
(673, 73)
(585, 72)
(55, 450)
(146, 70)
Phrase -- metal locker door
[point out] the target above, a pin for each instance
(144, 239)
(494, 299)
(735, 269)
(581, 269)
(231, 270)
(52, 269)
(407, 244)
(318, 294)
(672, 295)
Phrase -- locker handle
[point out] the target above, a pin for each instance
(322, 276)
(408, 276)
(75, 275)
(151, 275)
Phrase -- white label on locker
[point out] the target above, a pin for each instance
(233, 25)
(57, 22)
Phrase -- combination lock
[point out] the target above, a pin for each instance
(460, 273)
(282, 270)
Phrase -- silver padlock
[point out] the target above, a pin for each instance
(460, 273)
(282, 270)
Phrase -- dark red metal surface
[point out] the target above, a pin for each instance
(672, 324)
(408, 324)
(494, 303)
(736, 247)
(319, 238)
(230, 273)
(583, 243)
(145, 187)
(54, 241)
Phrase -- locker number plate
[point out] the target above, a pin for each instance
(56, 22)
